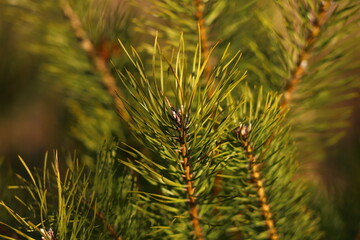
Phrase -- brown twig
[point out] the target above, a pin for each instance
(199, 14)
(110, 228)
(243, 133)
(190, 189)
(100, 63)
(181, 127)
(305, 52)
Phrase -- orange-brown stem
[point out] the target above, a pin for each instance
(256, 179)
(243, 133)
(199, 14)
(305, 53)
(189, 186)
(181, 127)
(99, 63)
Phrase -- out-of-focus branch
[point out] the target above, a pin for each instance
(305, 52)
(99, 63)
(199, 14)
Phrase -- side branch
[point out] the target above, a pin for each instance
(199, 14)
(305, 53)
(243, 132)
(100, 63)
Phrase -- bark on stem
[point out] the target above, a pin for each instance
(99, 63)
(305, 52)
(189, 186)
(243, 132)
(199, 14)
(255, 176)
(181, 128)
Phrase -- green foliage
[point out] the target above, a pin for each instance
(263, 145)
(167, 19)
(75, 203)
(64, 70)
(179, 132)
(212, 141)
(321, 46)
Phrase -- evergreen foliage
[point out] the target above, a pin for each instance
(210, 142)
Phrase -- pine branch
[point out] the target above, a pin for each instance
(182, 131)
(100, 63)
(305, 53)
(311, 38)
(243, 133)
(199, 14)
(183, 140)
(89, 203)
(259, 178)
